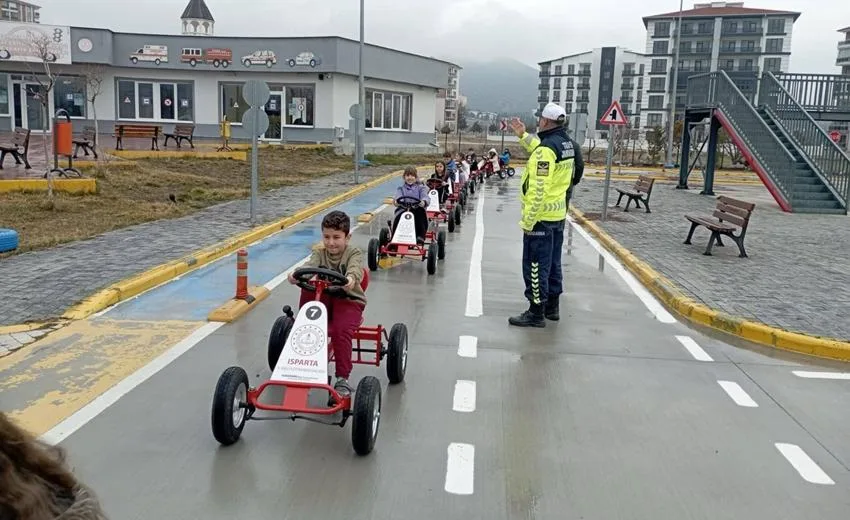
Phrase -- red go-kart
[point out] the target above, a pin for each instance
(450, 213)
(298, 357)
(403, 242)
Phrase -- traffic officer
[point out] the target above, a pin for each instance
(545, 181)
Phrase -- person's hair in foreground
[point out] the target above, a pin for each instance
(35, 483)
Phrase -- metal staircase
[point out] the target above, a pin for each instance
(800, 165)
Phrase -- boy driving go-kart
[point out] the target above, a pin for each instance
(346, 314)
(414, 197)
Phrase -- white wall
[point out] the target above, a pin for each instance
(345, 94)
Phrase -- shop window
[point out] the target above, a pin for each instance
(388, 110)
(4, 95)
(233, 105)
(157, 101)
(299, 110)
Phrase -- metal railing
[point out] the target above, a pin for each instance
(823, 93)
(717, 90)
(829, 161)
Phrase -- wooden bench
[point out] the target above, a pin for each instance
(140, 131)
(18, 146)
(641, 192)
(181, 133)
(729, 216)
(86, 141)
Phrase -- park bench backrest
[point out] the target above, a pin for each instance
(734, 211)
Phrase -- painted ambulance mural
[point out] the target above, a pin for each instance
(151, 53)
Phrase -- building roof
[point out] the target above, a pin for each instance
(710, 12)
(845, 30)
(588, 52)
(197, 10)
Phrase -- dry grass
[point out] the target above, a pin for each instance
(129, 196)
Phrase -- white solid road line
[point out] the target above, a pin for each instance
(805, 466)
(464, 398)
(696, 351)
(645, 296)
(474, 292)
(467, 346)
(822, 375)
(738, 394)
(460, 469)
(76, 421)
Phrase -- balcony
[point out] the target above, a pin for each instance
(542, 99)
(730, 31)
(583, 100)
(740, 50)
(584, 72)
(699, 34)
(627, 99)
(584, 86)
(627, 86)
(544, 74)
(843, 53)
(543, 86)
(630, 72)
(686, 50)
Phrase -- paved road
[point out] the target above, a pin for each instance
(614, 412)
(41, 285)
(811, 297)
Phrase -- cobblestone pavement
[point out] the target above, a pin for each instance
(797, 276)
(41, 285)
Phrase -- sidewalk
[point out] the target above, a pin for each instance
(41, 285)
(796, 277)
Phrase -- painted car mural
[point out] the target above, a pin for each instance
(305, 58)
(267, 58)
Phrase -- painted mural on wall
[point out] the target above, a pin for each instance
(266, 57)
(217, 57)
(305, 58)
(150, 53)
(26, 42)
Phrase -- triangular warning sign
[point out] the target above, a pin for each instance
(127, 100)
(614, 115)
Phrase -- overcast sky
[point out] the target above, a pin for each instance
(529, 30)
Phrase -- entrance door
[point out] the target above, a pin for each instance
(29, 112)
(274, 110)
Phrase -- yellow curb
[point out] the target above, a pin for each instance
(365, 218)
(74, 186)
(662, 180)
(155, 276)
(235, 309)
(388, 200)
(675, 299)
(153, 154)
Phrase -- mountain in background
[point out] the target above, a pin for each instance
(501, 86)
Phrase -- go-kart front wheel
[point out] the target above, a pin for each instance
(374, 254)
(441, 245)
(229, 407)
(457, 215)
(397, 353)
(366, 415)
(277, 339)
(384, 237)
(451, 221)
(511, 172)
(432, 258)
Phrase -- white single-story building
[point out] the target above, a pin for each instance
(198, 79)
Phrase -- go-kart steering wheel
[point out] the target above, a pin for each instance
(407, 203)
(434, 184)
(303, 276)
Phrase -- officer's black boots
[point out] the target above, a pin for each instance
(533, 317)
(553, 310)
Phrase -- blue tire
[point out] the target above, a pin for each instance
(8, 240)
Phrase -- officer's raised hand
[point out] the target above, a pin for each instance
(518, 127)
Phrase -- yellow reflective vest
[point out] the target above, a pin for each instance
(547, 177)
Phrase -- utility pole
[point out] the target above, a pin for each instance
(361, 121)
(671, 124)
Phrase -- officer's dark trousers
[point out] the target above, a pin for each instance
(541, 262)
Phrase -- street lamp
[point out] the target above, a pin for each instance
(360, 123)
(671, 124)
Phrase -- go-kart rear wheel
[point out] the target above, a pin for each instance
(457, 215)
(366, 415)
(277, 338)
(511, 172)
(441, 245)
(384, 237)
(472, 187)
(229, 407)
(374, 254)
(397, 353)
(451, 221)
(432, 258)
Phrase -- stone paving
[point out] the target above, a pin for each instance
(41, 285)
(797, 276)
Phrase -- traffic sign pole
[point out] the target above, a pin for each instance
(256, 93)
(613, 117)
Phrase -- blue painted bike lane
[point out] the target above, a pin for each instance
(194, 295)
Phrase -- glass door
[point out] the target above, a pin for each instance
(274, 110)
(29, 112)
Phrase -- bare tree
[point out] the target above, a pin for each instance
(46, 80)
(94, 75)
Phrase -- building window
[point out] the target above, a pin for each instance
(558, 70)
(659, 66)
(750, 27)
(659, 47)
(662, 29)
(748, 45)
(155, 100)
(70, 94)
(299, 105)
(388, 110)
(656, 102)
(4, 94)
(568, 108)
(569, 95)
(705, 27)
(776, 26)
(700, 65)
(704, 47)
(728, 46)
(570, 82)
(556, 96)
(653, 120)
(657, 84)
(774, 45)
(571, 69)
(233, 105)
(557, 84)
(582, 108)
(729, 65)
(773, 64)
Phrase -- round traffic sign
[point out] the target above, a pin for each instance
(835, 135)
(167, 102)
(261, 118)
(256, 93)
(354, 111)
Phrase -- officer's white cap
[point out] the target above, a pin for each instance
(553, 112)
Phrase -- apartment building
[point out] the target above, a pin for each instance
(715, 36)
(843, 59)
(15, 11)
(588, 82)
(448, 100)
